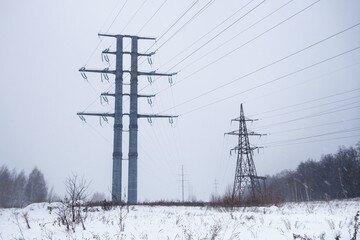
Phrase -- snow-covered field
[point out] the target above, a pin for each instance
(310, 220)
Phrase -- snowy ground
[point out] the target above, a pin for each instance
(311, 220)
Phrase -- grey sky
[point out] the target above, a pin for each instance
(44, 43)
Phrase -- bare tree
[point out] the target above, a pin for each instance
(76, 193)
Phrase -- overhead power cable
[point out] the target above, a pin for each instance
(185, 24)
(309, 101)
(316, 106)
(315, 136)
(221, 32)
(133, 16)
(232, 51)
(147, 22)
(314, 126)
(265, 83)
(206, 34)
(218, 47)
(268, 65)
(101, 39)
(309, 116)
(162, 35)
(168, 29)
(316, 141)
(117, 15)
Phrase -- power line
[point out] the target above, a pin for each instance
(162, 35)
(211, 39)
(317, 135)
(277, 61)
(232, 38)
(133, 16)
(221, 44)
(303, 109)
(117, 15)
(323, 140)
(314, 126)
(232, 51)
(192, 44)
(97, 98)
(147, 22)
(310, 101)
(310, 116)
(260, 85)
(101, 39)
(184, 25)
(315, 78)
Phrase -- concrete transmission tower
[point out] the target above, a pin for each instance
(246, 179)
(118, 113)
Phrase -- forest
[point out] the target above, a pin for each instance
(18, 189)
(334, 176)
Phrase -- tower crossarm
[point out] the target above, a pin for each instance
(156, 116)
(140, 54)
(238, 119)
(101, 70)
(255, 176)
(256, 134)
(127, 94)
(146, 96)
(108, 94)
(126, 71)
(125, 36)
(96, 114)
(156, 74)
(129, 53)
(237, 133)
(237, 148)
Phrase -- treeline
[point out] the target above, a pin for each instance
(335, 176)
(18, 189)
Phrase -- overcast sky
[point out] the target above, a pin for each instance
(272, 57)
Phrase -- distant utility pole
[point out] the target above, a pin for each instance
(246, 177)
(118, 114)
(182, 182)
(215, 187)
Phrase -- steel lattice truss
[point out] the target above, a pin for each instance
(246, 179)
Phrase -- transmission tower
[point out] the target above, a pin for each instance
(246, 178)
(118, 113)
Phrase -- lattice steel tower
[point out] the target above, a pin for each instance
(246, 178)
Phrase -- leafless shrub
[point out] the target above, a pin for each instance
(18, 224)
(122, 216)
(322, 236)
(187, 234)
(25, 215)
(287, 223)
(106, 205)
(178, 219)
(356, 225)
(251, 217)
(331, 224)
(301, 237)
(64, 215)
(215, 229)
